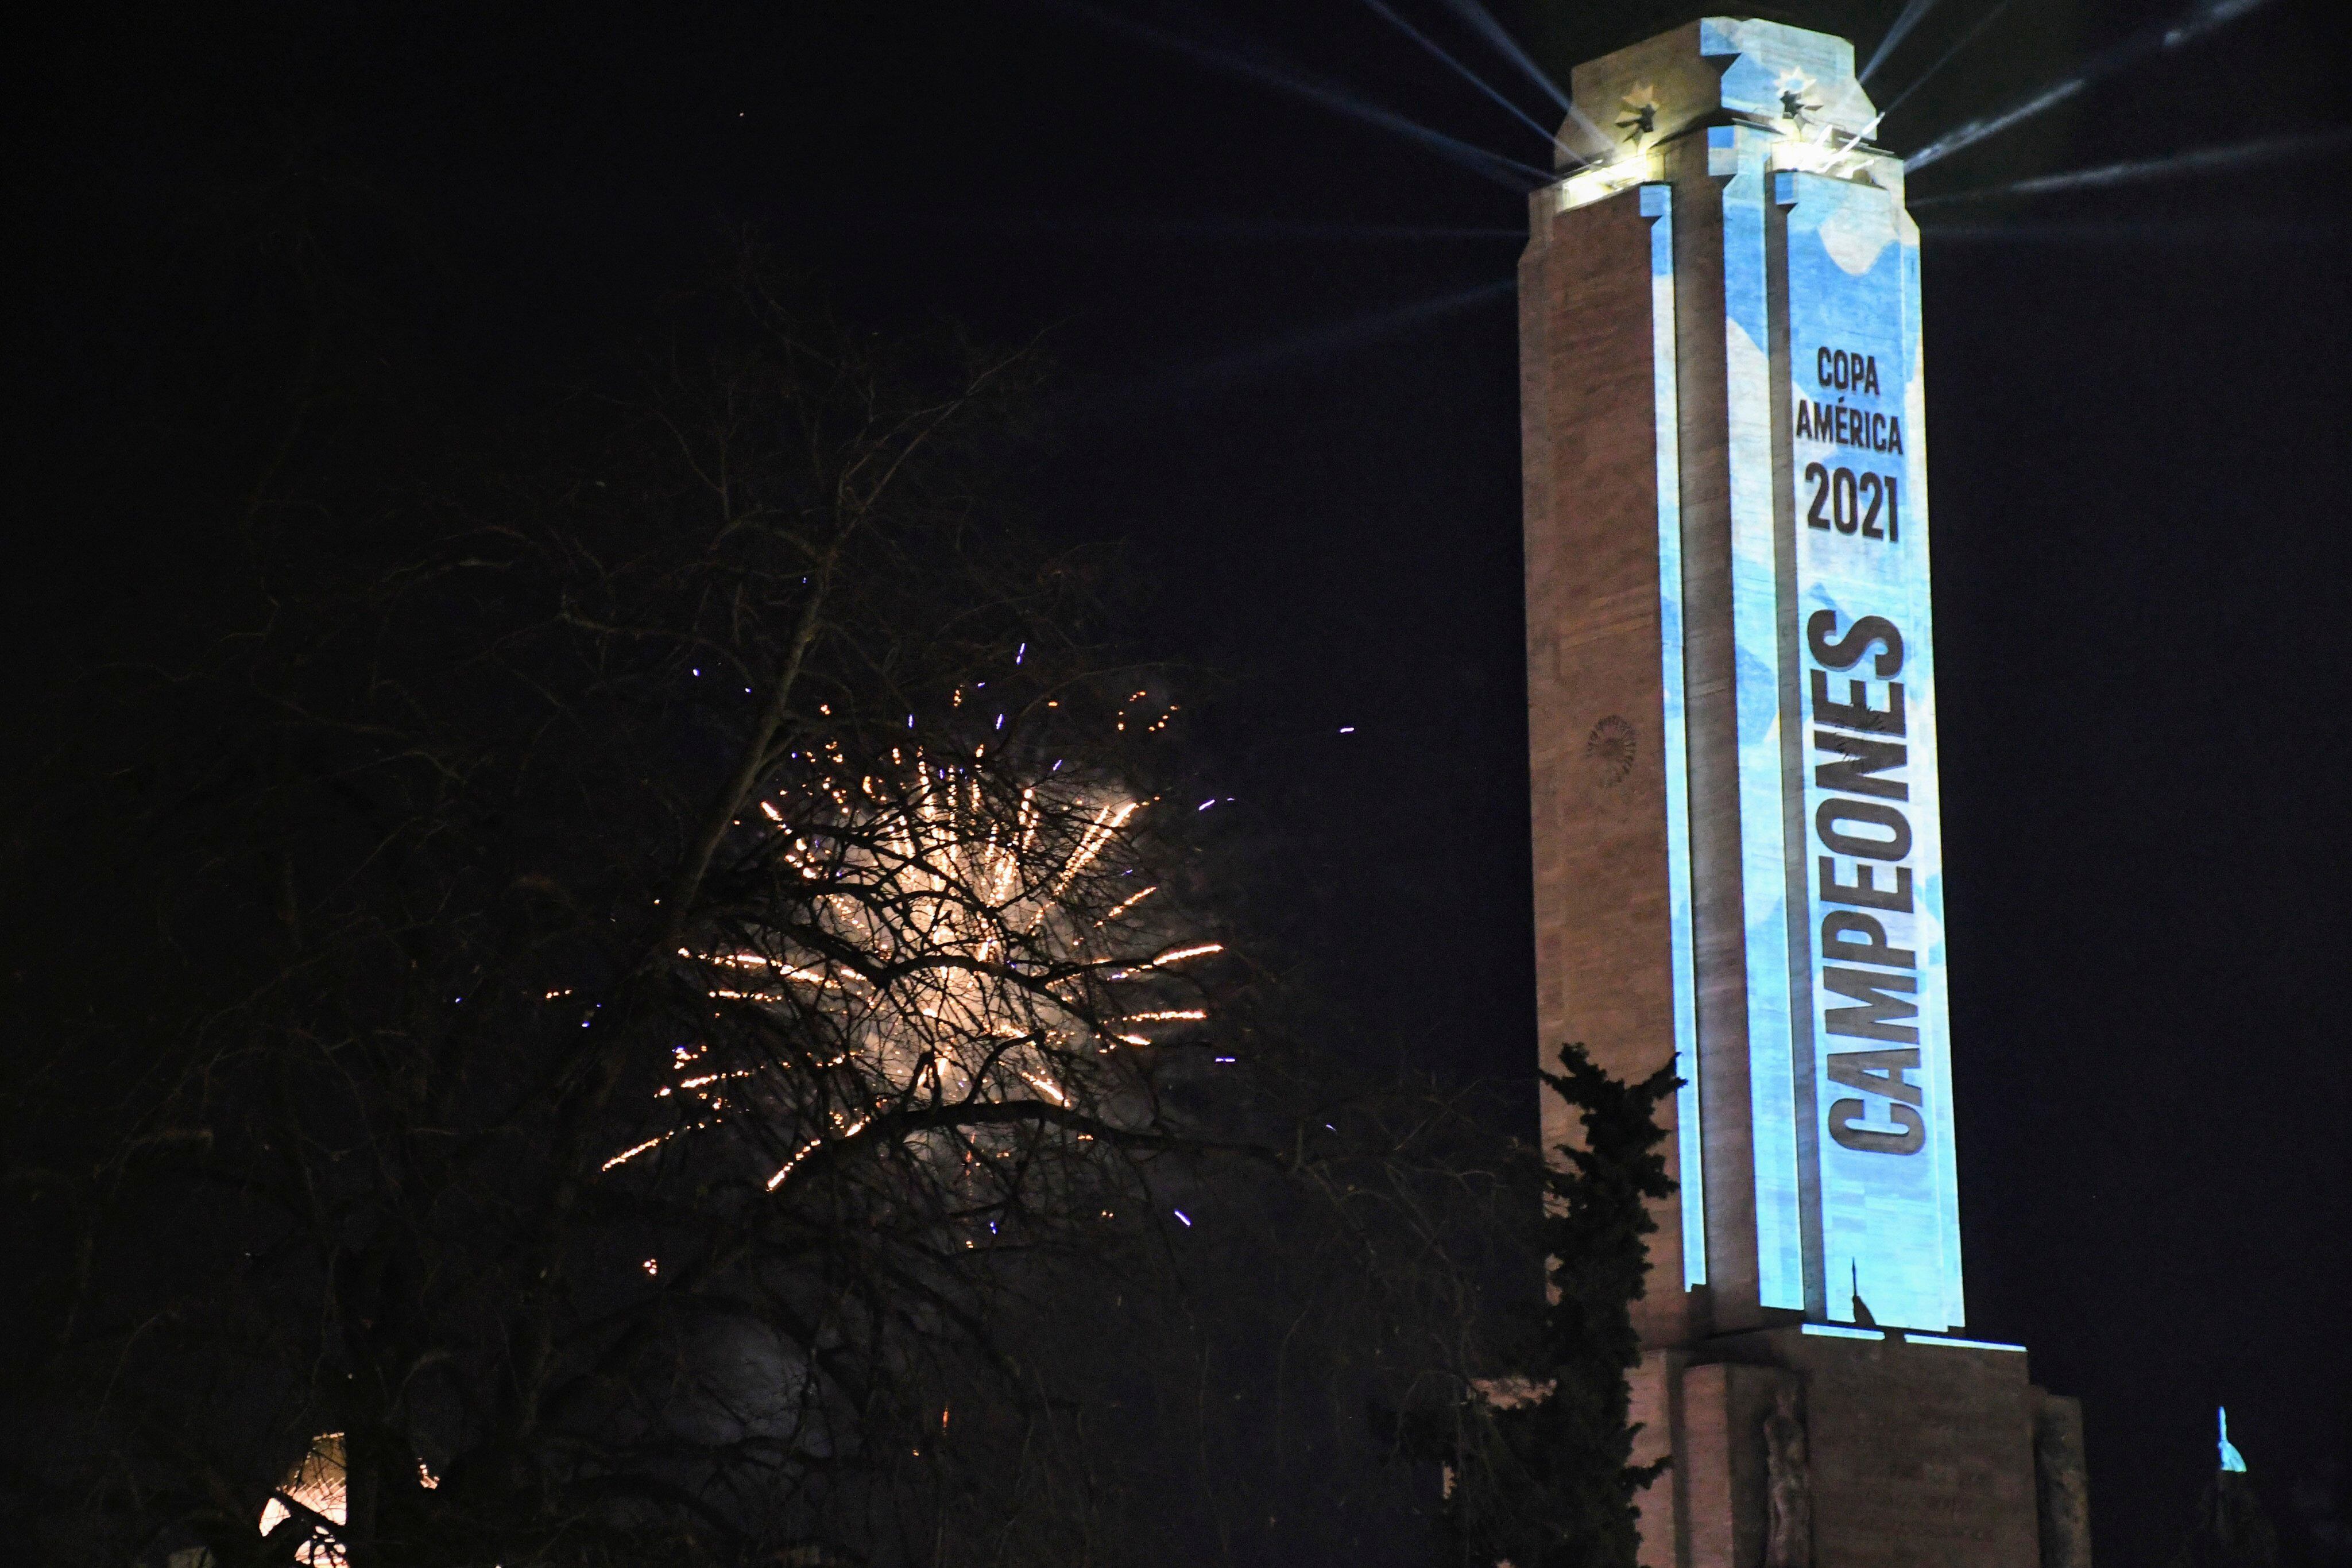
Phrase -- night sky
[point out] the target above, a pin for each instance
(1285, 378)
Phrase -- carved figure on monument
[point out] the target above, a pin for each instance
(2061, 1483)
(1787, 1486)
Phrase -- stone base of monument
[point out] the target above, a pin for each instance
(1814, 1446)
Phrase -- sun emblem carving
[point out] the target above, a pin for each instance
(1610, 748)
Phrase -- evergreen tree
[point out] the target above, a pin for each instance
(2231, 1530)
(1539, 1471)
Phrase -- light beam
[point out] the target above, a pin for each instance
(2234, 231)
(1904, 22)
(2200, 20)
(2197, 161)
(1465, 72)
(1270, 229)
(1346, 334)
(1333, 338)
(1970, 37)
(1482, 21)
(1265, 73)
(1976, 130)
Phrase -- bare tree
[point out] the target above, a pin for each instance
(638, 997)
(669, 929)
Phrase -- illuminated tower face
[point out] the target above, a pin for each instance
(1732, 671)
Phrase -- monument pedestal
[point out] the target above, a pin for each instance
(1889, 1451)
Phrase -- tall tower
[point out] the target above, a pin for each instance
(1737, 857)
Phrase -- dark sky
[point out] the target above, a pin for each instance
(1286, 378)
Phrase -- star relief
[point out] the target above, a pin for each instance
(1640, 116)
(1795, 88)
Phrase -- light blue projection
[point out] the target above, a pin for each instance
(2231, 1459)
(1839, 856)
(1657, 205)
(1737, 155)
(1864, 692)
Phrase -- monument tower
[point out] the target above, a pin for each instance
(1738, 856)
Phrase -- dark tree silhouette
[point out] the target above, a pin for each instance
(1538, 1461)
(580, 996)
(649, 943)
(2232, 1529)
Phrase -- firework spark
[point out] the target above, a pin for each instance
(944, 938)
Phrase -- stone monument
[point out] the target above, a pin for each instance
(1737, 855)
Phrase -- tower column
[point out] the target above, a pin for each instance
(1738, 851)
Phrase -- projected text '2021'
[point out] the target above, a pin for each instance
(1846, 502)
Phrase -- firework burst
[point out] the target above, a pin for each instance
(946, 955)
